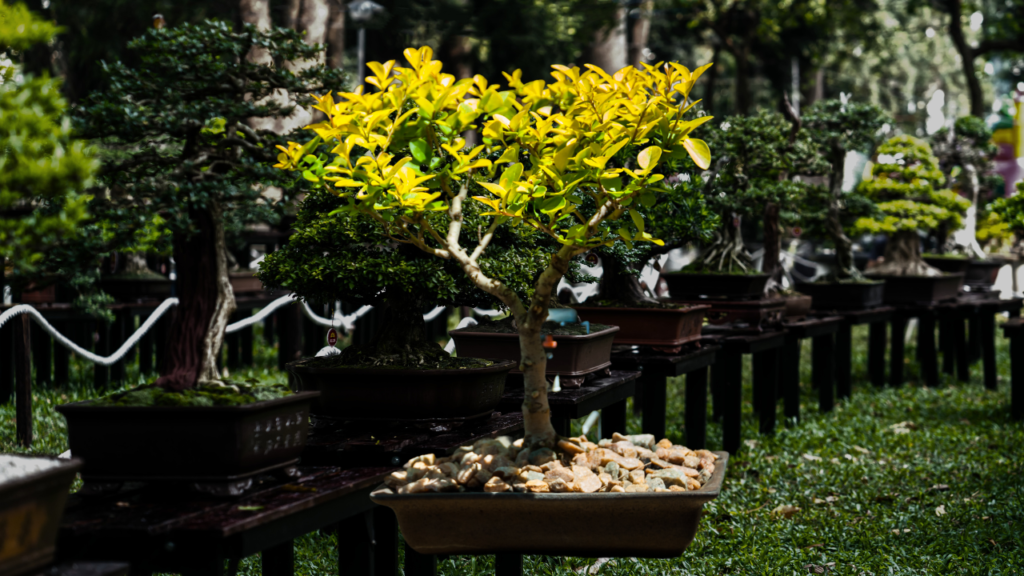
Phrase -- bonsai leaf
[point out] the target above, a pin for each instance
(420, 150)
(699, 152)
(648, 158)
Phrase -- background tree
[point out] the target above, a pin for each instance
(43, 170)
(905, 186)
(838, 128)
(179, 147)
(965, 154)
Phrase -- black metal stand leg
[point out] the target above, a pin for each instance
(508, 564)
(279, 560)
(1017, 377)
(987, 339)
(877, 340)
(385, 536)
(41, 356)
(613, 419)
(791, 377)
(562, 425)
(654, 404)
(896, 352)
(823, 370)
(417, 564)
(289, 335)
(6, 360)
(973, 338)
(355, 545)
(946, 344)
(766, 375)
(963, 369)
(23, 379)
(697, 408)
(731, 366)
(638, 397)
(928, 357)
(844, 364)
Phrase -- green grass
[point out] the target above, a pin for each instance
(878, 512)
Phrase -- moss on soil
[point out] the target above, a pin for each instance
(449, 363)
(152, 395)
(699, 268)
(956, 257)
(504, 326)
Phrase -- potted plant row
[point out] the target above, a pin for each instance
(191, 424)
(551, 160)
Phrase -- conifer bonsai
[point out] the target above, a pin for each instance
(836, 129)
(181, 156)
(571, 159)
(905, 187)
(965, 155)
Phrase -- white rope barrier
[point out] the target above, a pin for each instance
(467, 321)
(345, 322)
(94, 358)
(259, 316)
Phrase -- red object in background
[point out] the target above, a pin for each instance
(549, 342)
(332, 337)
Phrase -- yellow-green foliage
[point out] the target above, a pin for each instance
(561, 157)
(905, 184)
(993, 232)
(1011, 210)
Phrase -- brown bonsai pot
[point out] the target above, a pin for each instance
(658, 327)
(30, 509)
(575, 357)
(950, 264)
(687, 285)
(797, 306)
(920, 290)
(661, 524)
(33, 295)
(983, 273)
(844, 295)
(187, 443)
(392, 394)
(245, 282)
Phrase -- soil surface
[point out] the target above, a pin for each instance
(619, 304)
(449, 363)
(504, 326)
(234, 394)
(700, 268)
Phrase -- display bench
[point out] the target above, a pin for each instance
(824, 369)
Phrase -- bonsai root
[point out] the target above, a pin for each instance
(903, 257)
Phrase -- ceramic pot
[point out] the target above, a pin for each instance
(921, 290)
(394, 394)
(982, 273)
(187, 443)
(30, 511)
(657, 327)
(649, 525)
(245, 282)
(843, 296)
(686, 286)
(797, 306)
(949, 264)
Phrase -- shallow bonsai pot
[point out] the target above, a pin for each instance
(30, 511)
(658, 327)
(245, 282)
(684, 285)
(949, 264)
(404, 393)
(983, 273)
(797, 306)
(33, 295)
(187, 443)
(648, 525)
(844, 296)
(921, 290)
(128, 289)
(576, 356)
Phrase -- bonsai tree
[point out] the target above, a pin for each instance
(905, 188)
(758, 155)
(44, 169)
(182, 158)
(965, 154)
(838, 128)
(573, 160)
(1010, 212)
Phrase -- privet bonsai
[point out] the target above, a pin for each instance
(758, 156)
(1010, 212)
(965, 156)
(42, 168)
(574, 159)
(179, 147)
(905, 187)
(837, 128)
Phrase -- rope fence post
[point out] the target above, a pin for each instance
(23, 379)
(41, 356)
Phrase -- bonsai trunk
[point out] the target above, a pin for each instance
(402, 338)
(965, 240)
(727, 252)
(205, 303)
(903, 257)
(770, 263)
(620, 286)
(845, 269)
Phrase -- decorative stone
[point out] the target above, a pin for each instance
(426, 459)
(586, 480)
(670, 476)
(617, 489)
(558, 485)
(612, 468)
(664, 443)
(541, 456)
(531, 475)
(637, 476)
(570, 447)
(496, 484)
(562, 473)
(553, 465)
(506, 472)
(645, 440)
(537, 486)
(656, 483)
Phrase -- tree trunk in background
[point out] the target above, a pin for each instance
(402, 338)
(336, 35)
(819, 86)
(640, 33)
(257, 13)
(956, 31)
(619, 286)
(845, 268)
(458, 55)
(772, 248)
(609, 51)
(712, 78)
(203, 303)
(310, 17)
(742, 56)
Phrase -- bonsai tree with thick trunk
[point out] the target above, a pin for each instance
(965, 154)
(905, 188)
(180, 152)
(759, 156)
(837, 128)
(572, 159)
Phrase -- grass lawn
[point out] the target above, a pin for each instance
(898, 481)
